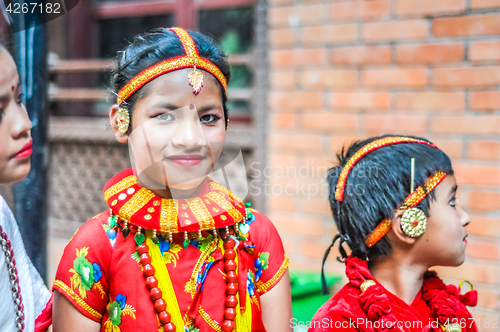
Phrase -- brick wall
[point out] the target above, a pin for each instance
(342, 70)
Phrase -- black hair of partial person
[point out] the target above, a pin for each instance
(150, 48)
(377, 185)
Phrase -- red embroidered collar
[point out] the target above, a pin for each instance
(216, 207)
(442, 300)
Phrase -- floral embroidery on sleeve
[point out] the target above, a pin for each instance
(116, 310)
(261, 264)
(85, 274)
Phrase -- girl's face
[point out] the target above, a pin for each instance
(444, 240)
(15, 125)
(176, 136)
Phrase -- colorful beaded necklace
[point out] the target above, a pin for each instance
(138, 210)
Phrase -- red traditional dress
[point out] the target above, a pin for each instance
(365, 305)
(101, 271)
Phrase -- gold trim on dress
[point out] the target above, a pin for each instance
(168, 215)
(120, 186)
(212, 323)
(263, 287)
(223, 203)
(65, 288)
(137, 202)
(201, 213)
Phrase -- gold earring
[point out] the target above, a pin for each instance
(413, 222)
(123, 120)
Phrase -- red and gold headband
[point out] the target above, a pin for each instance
(339, 192)
(190, 59)
(410, 202)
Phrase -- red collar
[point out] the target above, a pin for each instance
(215, 206)
(442, 300)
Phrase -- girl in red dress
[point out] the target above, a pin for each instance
(394, 202)
(176, 251)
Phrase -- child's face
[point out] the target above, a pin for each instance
(177, 136)
(444, 240)
(15, 125)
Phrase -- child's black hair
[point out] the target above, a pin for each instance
(377, 185)
(159, 45)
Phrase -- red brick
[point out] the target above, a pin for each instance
(316, 206)
(281, 37)
(283, 17)
(429, 53)
(482, 250)
(287, 222)
(484, 4)
(361, 55)
(466, 26)
(484, 150)
(283, 80)
(395, 77)
(294, 142)
(338, 142)
(297, 58)
(314, 249)
(477, 174)
(466, 77)
(482, 273)
(486, 298)
(375, 9)
(423, 8)
(361, 100)
(484, 51)
(331, 122)
(483, 226)
(453, 148)
(293, 101)
(276, 160)
(282, 203)
(465, 125)
(283, 120)
(485, 100)
(484, 201)
(430, 101)
(394, 124)
(330, 79)
(395, 30)
(329, 34)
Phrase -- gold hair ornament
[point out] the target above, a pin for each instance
(123, 120)
(190, 59)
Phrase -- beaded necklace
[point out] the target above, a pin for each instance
(14, 280)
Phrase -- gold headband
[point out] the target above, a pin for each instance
(190, 59)
(377, 144)
(411, 201)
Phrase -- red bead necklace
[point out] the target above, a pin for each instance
(155, 293)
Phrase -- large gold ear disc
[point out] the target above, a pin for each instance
(123, 120)
(413, 222)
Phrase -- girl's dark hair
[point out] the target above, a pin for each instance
(377, 185)
(159, 45)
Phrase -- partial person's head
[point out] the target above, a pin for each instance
(176, 132)
(15, 125)
(377, 187)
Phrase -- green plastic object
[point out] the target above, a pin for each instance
(307, 294)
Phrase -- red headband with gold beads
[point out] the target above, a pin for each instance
(190, 59)
(377, 144)
(411, 201)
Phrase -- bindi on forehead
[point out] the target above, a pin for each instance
(13, 88)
